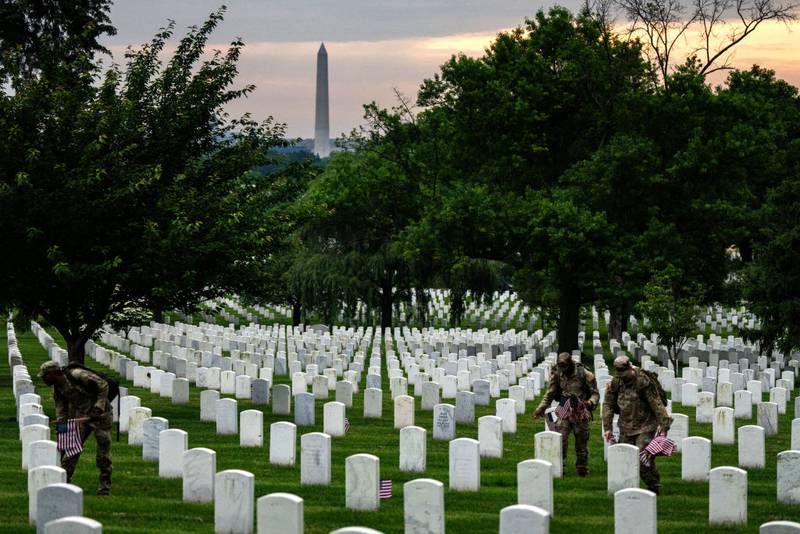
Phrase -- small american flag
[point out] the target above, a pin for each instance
(346, 425)
(386, 489)
(69, 438)
(660, 445)
(572, 409)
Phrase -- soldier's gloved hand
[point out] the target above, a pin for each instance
(589, 405)
(539, 412)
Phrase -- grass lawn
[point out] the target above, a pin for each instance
(141, 502)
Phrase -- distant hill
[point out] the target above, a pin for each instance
(306, 145)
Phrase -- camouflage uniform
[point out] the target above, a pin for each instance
(641, 413)
(84, 394)
(581, 384)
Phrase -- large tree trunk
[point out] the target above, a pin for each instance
(297, 312)
(387, 300)
(618, 322)
(456, 308)
(75, 338)
(422, 307)
(76, 349)
(76, 344)
(569, 307)
(158, 316)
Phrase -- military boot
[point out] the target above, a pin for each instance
(104, 485)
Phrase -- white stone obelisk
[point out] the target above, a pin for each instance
(322, 134)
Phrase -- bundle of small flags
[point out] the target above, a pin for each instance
(660, 445)
(69, 437)
(572, 409)
(386, 489)
(346, 425)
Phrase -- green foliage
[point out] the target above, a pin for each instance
(772, 281)
(32, 30)
(555, 164)
(515, 121)
(670, 307)
(287, 180)
(130, 190)
(354, 214)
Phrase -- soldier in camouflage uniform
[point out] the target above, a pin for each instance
(633, 395)
(572, 380)
(80, 393)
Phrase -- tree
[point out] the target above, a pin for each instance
(772, 281)
(664, 24)
(357, 210)
(30, 30)
(279, 282)
(543, 98)
(670, 309)
(132, 191)
(681, 185)
(621, 181)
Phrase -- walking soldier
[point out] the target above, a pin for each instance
(575, 389)
(639, 400)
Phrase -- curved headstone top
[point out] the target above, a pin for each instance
(356, 530)
(319, 328)
(780, 527)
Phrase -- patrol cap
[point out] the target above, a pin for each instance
(564, 357)
(622, 364)
(48, 367)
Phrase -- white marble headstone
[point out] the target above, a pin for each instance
(535, 484)
(362, 482)
(234, 493)
(465, 465)
(280, 513)
(423, 506)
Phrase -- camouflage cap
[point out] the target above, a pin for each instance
(48, 367)
(622, 364)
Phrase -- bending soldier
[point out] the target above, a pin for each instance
(79, 393)
(575, 389)
(635, 396)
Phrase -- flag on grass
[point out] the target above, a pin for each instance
(346, 425)
(69, 438)
(386, 489)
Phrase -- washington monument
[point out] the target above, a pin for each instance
(322, 134)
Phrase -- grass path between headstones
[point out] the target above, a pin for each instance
(141, 502)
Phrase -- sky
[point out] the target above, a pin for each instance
(374, 47)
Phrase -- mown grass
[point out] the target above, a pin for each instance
(141, 502)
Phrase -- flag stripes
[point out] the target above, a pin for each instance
(572, 409)
(660, 445)
(386, 489)
(69, 438)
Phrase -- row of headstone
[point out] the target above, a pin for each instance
(458, 460)
(445, 416)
